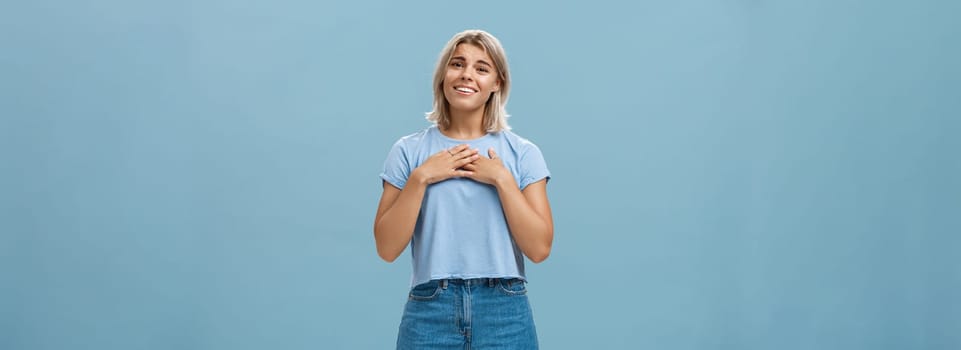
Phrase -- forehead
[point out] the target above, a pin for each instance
(471, 52)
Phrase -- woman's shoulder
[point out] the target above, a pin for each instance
(517, 141)
(415, 138)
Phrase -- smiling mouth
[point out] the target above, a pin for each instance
(464, 90)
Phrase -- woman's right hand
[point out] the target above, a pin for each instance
(445, 164)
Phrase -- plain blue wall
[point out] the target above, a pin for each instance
(741, 174)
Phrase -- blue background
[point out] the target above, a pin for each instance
(740, 174)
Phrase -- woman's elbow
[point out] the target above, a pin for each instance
(388, 257)
(540, 255)
(386, 254)
(542, 250)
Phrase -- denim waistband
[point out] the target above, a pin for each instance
(490, 282)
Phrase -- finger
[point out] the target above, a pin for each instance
(464, 153)
(453, 173)
(468, 160)
(463, 173)
(457, 149)
(451, 151)
(491, 153)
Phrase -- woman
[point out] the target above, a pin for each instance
(469, 215)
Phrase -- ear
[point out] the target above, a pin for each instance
(497, 86)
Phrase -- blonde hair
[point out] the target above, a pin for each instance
(495, 114)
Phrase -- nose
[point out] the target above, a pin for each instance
(465, 74)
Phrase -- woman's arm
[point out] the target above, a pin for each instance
(396, 216)
(528, 216)
(398, 209)
(528, 212)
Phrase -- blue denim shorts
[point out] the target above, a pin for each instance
(482, 313)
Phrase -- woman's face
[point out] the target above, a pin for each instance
(471, 78)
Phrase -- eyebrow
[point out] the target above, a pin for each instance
(461, 58)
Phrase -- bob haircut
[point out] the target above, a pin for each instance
(495, 114)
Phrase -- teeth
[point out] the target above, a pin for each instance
(463, 89)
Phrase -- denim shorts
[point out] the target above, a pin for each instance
(482, 313)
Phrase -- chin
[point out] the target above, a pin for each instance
(464, 105)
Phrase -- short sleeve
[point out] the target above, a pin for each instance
(533, 168)
(396, 166)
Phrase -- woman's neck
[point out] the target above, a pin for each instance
(465, 126)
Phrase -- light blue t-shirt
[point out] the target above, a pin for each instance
(461, 231)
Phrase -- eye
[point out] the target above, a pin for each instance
(456, 64)
(483, 70)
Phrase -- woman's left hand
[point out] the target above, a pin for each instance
(488, 170)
